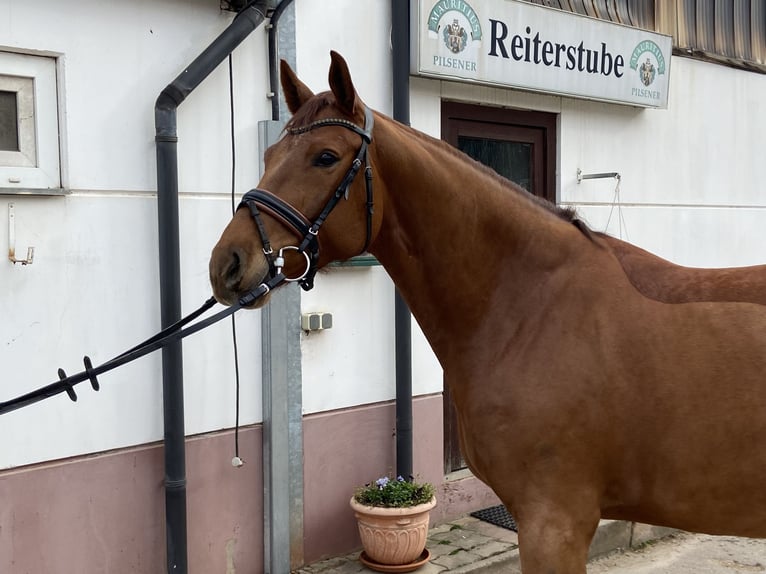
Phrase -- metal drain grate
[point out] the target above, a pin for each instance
(497, 515)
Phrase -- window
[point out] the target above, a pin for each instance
(9, 133)
(519, 145)
(17, 122)
(29, 132)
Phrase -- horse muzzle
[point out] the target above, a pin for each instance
(234, 271)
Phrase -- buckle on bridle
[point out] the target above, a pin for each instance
(279, 262)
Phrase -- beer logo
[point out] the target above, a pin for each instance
(456, 23)
(648, 61)
(455, 37)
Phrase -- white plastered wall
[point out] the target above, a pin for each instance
(692, 187)
(94, 285)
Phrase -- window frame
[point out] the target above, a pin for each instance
(36, 167)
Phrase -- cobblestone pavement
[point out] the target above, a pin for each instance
(457, 547)
(470, 546)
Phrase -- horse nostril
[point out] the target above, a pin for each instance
(233, 272)
(234, 267)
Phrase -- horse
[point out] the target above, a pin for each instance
(591, 379)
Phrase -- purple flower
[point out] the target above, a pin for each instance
(382, 482)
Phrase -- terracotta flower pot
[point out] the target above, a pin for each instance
(393, 535)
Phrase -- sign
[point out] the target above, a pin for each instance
(519, 45)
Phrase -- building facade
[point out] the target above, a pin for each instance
(85, 480)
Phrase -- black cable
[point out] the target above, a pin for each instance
(237, 460)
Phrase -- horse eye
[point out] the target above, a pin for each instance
(325, 159)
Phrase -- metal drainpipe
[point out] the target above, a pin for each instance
(170, 274)
(400, 43)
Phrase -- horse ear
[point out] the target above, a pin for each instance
(340, 83)
(296, 92)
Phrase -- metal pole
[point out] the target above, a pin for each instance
(281, 371)
(400, 41)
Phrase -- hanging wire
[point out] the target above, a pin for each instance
(621, 225)
(236, 461)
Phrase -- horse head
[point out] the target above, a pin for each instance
(319, 170)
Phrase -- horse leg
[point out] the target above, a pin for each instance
(555, 539)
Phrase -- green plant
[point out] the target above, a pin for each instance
(396, 493)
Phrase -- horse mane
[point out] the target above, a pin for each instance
(309, 110)
(566, 213)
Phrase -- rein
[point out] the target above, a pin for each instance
(174, 332)
(257, 200)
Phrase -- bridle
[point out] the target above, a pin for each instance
(261, 200)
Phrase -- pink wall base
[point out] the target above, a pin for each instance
(106, 512)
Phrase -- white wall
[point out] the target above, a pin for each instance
(692, 186)
(93, 287)
(359, 30)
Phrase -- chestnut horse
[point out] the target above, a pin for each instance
(590, 378)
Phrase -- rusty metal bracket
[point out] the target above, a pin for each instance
(12, 241)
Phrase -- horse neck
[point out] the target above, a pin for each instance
(456, 240)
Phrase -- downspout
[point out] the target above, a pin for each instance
(400, 44)
(170, 270)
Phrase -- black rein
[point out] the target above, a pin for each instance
(169, 334)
